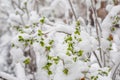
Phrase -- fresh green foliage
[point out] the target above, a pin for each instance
(68, 38)
(77, 23)
(20, 38)
(77, 31)
(94, 77)
(48, 48)
(51, 42)
(42, 43)
(80, 52)
(42, 20)
(74, 59)
(40, 33)
(47, 67)
(65, 71)
(26, 61)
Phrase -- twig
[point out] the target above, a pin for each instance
(21, 17)
(72, 10)
(97, 58)
(116, 68)
(97, 31)
(6, 76)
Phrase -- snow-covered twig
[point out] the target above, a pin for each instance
(97, 58)
(7, 76)
(97, 30)
(72, 9)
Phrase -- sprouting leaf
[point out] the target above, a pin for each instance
(68, 38)
(51, 42)
(47, 66)
(112, 29)
(79, 39)
(42, 43)
(94, 77)
(27, 26)
(49, 72)
(80, 53)
(40, 33)
(77, 23)
(77, 31)
(20, 38)
(26, 61)
(42, 20)
(56, 60)
(49, 57)
(68, 53)
(74, 59)
(48, 48)
(25, 3)
(31, 41)
(65, 71)
(12, 44)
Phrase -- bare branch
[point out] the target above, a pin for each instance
(72, 9)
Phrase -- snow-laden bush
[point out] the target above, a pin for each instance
(46, 41)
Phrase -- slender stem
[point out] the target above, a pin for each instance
(72, 9)
(27, 11)
(22, 20)
(95, 13)
(113, 76)
(97, 30)
(104, 58)
(97, 58)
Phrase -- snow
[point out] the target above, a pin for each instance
(20, 72)
(21, 19)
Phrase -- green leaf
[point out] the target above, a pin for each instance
(12, 44)
(77, 31)
(27, 26)
(77, 23)
(68, 53)
(26, 44)
(74, 59)
(49, 57)
(31, 41)
(69, 48)
(42, 43)
(47, 66)
(79, 39)
(42, 20)
(56, 60)
(48, 48)
(112, 29)
(94, 77)
(20, 38)
(25, 3)
(40, 33)
(69, 38)
(80, 53)
(26, 61)
(49, 72)
(70, 44)
(65, 71)
(51, 42)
